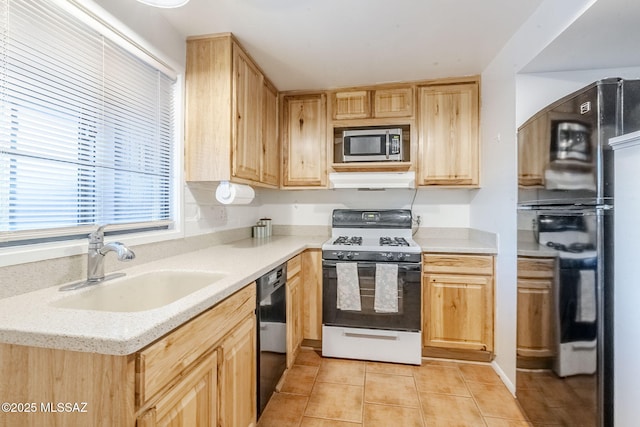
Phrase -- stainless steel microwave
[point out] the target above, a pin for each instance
(372, 145)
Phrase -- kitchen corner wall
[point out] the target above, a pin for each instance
(204, 214)
(436, 207)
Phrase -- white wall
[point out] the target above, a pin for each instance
(493, 208)
(535, 91)
(204, 214)
(627, 289)
(437, 208)
(149, 28)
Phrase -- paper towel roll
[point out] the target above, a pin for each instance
(234, 194)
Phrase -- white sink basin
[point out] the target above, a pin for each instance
(141, 292)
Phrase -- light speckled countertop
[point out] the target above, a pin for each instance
(32, 319)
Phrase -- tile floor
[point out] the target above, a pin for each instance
(321, 392)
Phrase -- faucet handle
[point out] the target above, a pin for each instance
(97, 236)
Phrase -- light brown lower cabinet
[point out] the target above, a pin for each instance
(458, 308)
(192, 402)
(202, 373)
(237, 388)
(295, 306)
(312, 295)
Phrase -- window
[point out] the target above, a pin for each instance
(86, 127)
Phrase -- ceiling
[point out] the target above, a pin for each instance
(607, 35)
(318, 44)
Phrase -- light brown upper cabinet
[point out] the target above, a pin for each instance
(230, 120)
(393, 102)
(357, 104)
(270, 143)
(448, 128)
(304, 140)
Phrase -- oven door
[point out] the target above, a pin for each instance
(407, 317)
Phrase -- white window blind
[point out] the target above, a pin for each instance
(86, 128)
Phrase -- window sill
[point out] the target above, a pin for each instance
(44, 251)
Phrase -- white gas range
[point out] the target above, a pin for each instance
(372, 287)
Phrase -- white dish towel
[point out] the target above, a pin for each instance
(586, 309)
(386, 294)
(348, 297)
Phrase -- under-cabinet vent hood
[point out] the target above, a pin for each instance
(372, 180)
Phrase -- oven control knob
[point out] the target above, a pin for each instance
(387, 255)
(349, 255)
(340, 255)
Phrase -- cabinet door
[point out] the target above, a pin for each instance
(460, 312)
(238, 376)
(351, 105)
(270, 172)
(208, 115)
(448, 135)
(191, 402)
(247, 147)
(312, 294)
(393, 102)
(305, 141)
(535, 322)
(294, 318)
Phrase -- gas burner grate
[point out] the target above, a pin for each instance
(393, 241)
(346, 240)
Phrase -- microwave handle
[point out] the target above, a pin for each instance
(387, 145)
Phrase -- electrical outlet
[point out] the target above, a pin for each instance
(222, 214)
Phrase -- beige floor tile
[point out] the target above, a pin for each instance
(501, 422)
(309, 358)
(283, 410)
(479, 373)
(439, 362)
(391, 390)
(440, 379)
(448, 410)
(386, 416)
(494, 400)
(341, 371)
(320, 422)
(300, 379)
(390, 368)
(336, 401)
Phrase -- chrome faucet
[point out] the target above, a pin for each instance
(95, 259)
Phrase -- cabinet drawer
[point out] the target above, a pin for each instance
(393, 102)
(164, 361)
(294, 265)
(536, 268)
(461, 264)
(351, 105)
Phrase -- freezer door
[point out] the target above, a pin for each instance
(562, 150)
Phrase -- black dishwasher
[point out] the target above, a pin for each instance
(271, 314)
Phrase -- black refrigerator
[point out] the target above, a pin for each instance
(565, 215)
